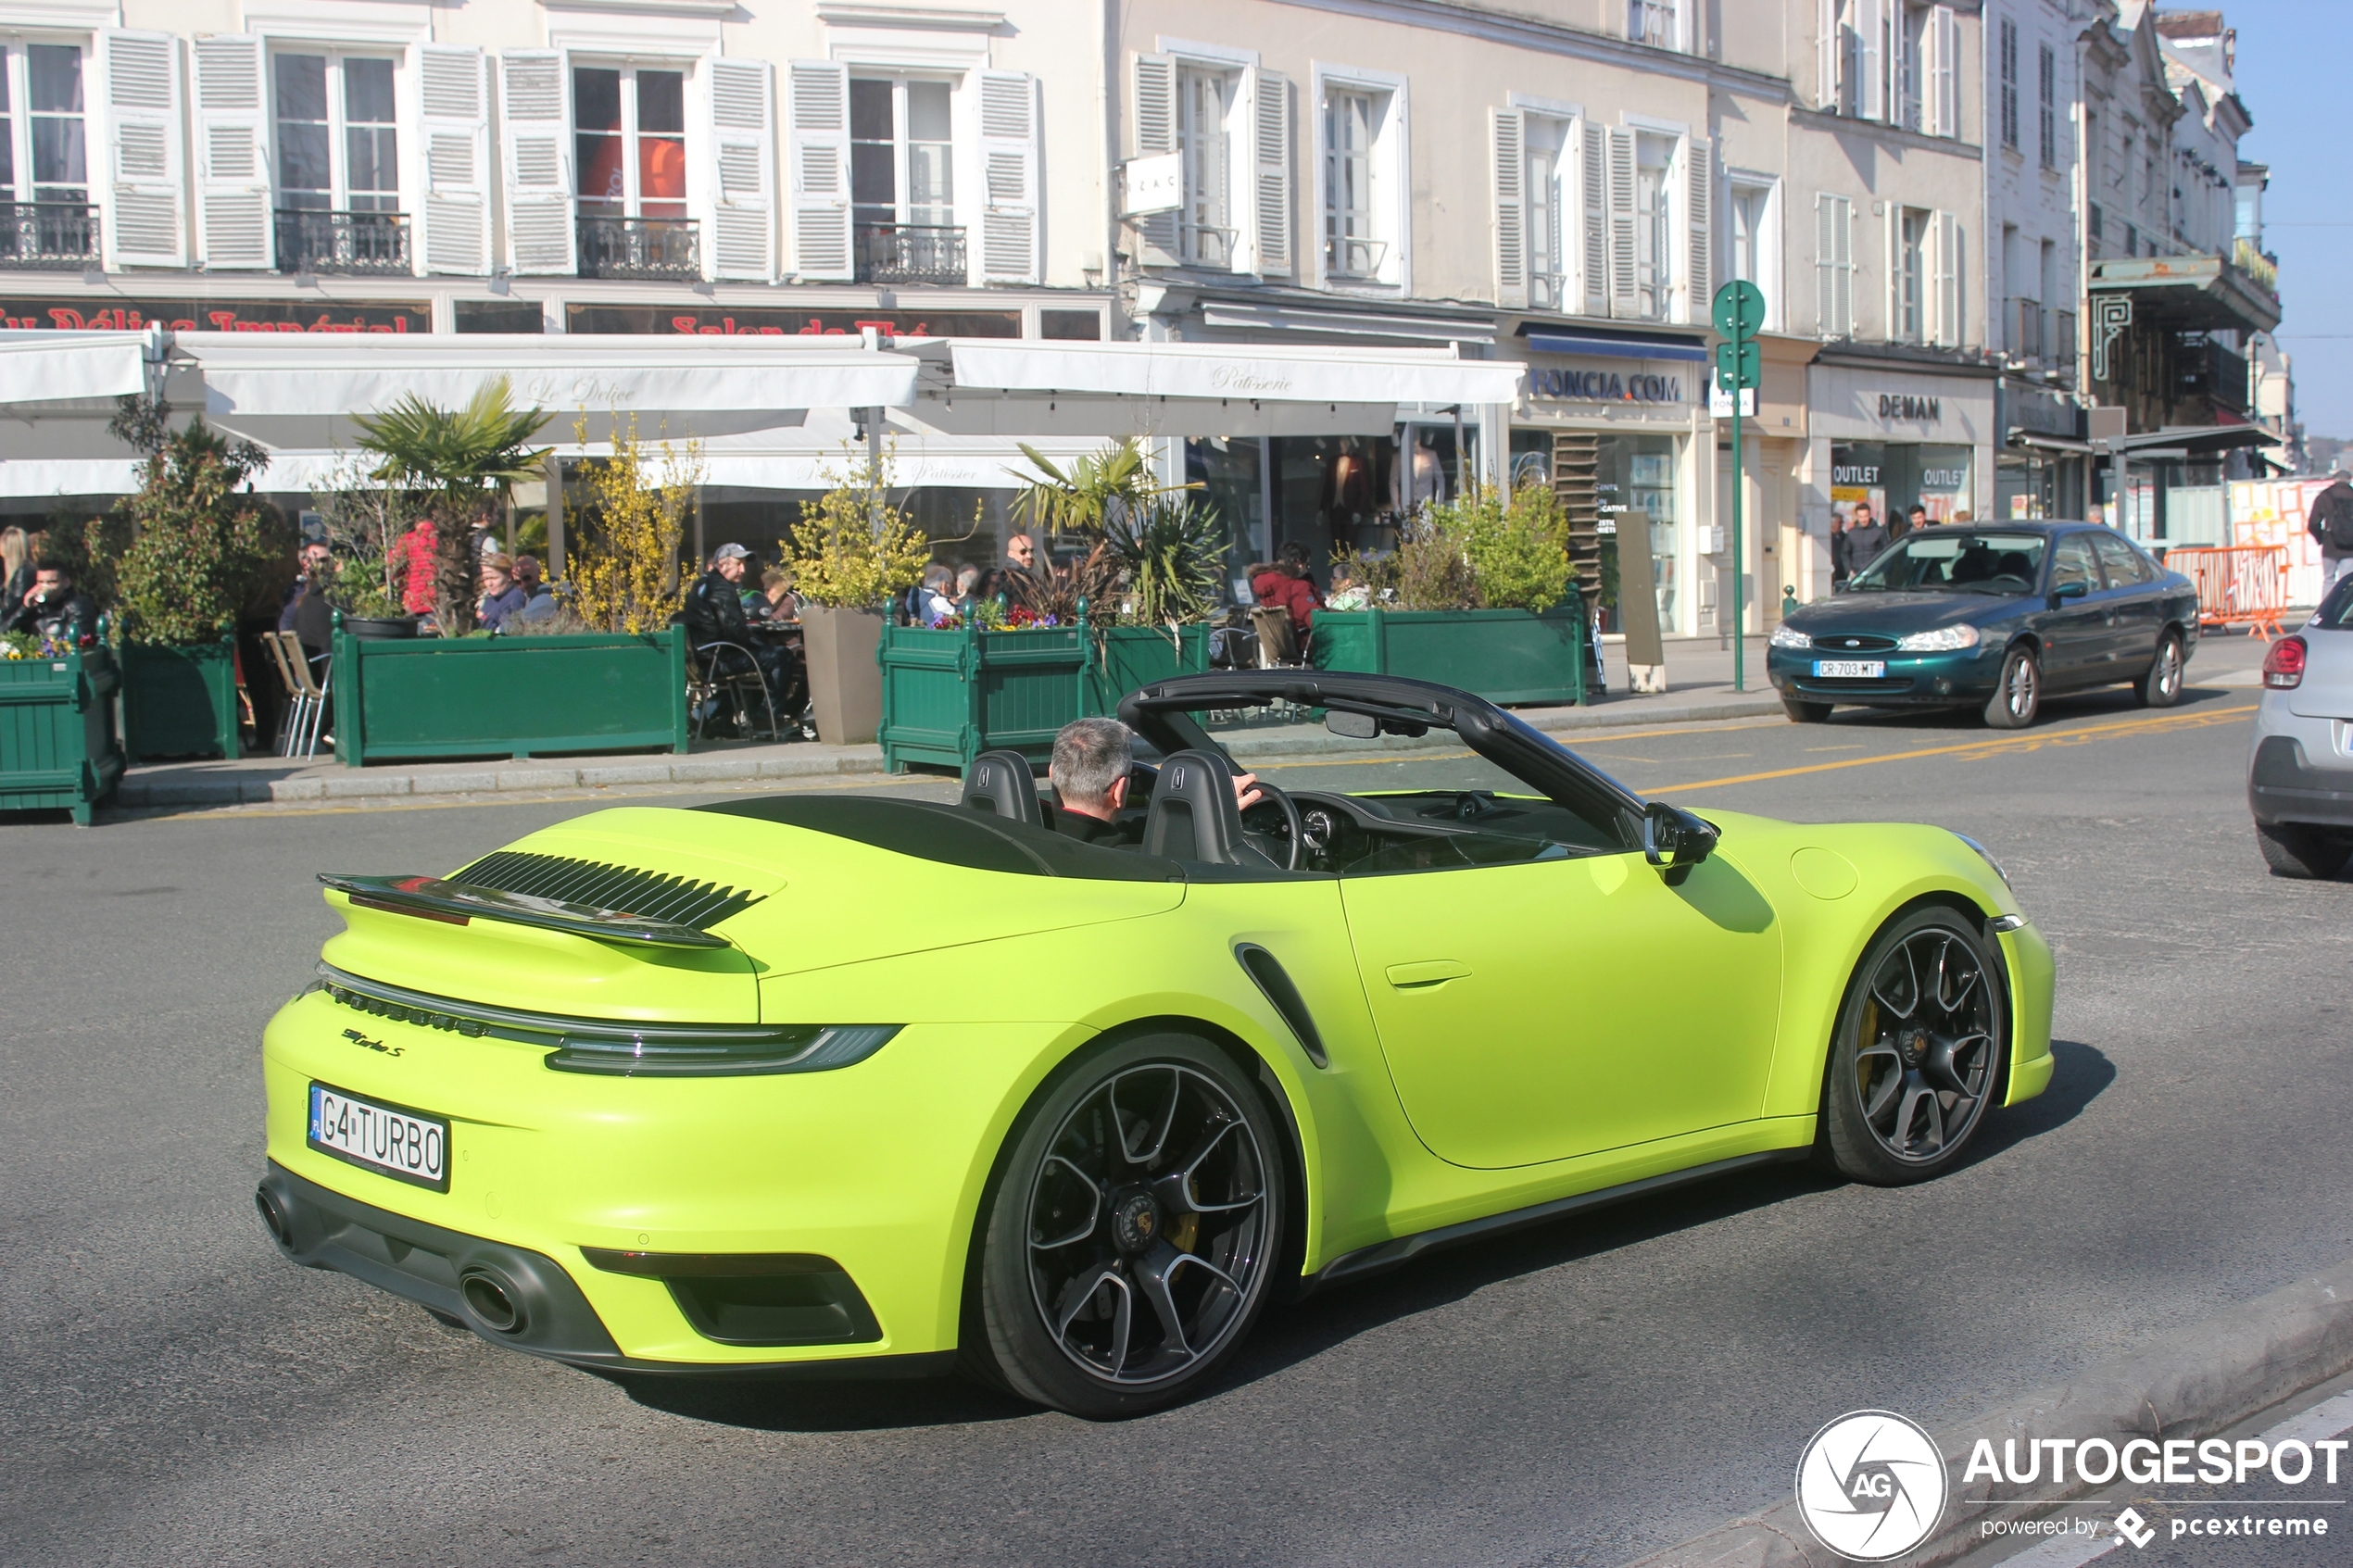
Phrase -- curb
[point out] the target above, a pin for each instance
(2192, 1384)
(376, 785)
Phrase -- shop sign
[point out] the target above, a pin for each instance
(1944, 479)
(714, 321)
(1902, 406)
(1574, 384)
(1854, 473)
(218, 316)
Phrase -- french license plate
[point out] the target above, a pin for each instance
(1850, 669)
(408, 1146)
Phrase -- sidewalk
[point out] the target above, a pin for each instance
(1698, 691)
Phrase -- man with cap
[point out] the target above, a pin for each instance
(714, 614)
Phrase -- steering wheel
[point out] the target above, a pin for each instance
(1295, 830)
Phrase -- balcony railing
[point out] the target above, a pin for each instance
(2209, 369)
(640, 247)
(1353, 258)
(1547, 290)
(347, 243)
(911, 252)
(49, 236)
(2248, 258)
(2026, 328)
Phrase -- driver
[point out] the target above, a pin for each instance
(1092, 760)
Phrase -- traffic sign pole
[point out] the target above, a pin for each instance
(1739, 311)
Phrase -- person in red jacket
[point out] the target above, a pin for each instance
(1286, 583)
(417, 547)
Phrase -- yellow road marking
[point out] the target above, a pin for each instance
(1979, 750)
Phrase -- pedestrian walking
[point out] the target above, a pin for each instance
(1865, 538)
(2331, 522)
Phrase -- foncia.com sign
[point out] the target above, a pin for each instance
(1872, 1486)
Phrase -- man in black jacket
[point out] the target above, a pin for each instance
(2331, 522)
(714, 614)
(55, 608)
(1865, 538)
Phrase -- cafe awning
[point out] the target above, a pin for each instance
(271, 375)
(42, 365)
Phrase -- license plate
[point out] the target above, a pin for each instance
(1850, 669)
(408, 1146)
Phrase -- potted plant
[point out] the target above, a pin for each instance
(189, 550)
(851, 551)
(607, 674)
(1477, 595)
(58, 750)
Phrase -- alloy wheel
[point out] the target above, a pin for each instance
(1925, 1053)
(1148, 1225)
(2018, 688)
(2168, 668)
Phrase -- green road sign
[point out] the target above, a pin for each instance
(1739, 308)
(1738, 365)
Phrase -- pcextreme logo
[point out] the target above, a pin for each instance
(1871, 1486)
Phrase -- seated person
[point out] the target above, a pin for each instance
(502, 596)
(775, 602)
(714, 614)
(539, 600)
(1092, 761)
(55, 608)
(1285, 582)
(935, 599)
(1347, 593)
(310, 566)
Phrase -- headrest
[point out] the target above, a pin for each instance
(1192, 815)
(1001, 783)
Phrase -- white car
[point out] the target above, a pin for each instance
(2299, 778)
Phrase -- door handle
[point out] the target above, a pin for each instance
(1427, 973)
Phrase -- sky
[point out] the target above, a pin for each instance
(2295, 76)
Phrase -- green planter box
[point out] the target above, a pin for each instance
(950, 696)
(180, 701)
(508, 697)
(58, 749)
(1505, 656)
(1129, 656)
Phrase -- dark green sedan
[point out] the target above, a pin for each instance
(1979, 616)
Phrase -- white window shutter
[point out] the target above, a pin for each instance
(1826, 54)
(1825, 287)
(1155, 85)
(534, 125)
(817, 149)
(1944, 71)
(1010, 237)
(742, 177)
(1842, 238)
(1622, 252)
(1945, 229)
(145, 157)
(1894, 230)
(1271, 204)
(232, 155)
(1870, 64)
(451, 227)
(1699, 232)
(1593, 209)
(1507, 139)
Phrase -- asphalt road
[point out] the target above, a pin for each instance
(171, 1392)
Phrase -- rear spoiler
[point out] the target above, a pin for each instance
(457, 903)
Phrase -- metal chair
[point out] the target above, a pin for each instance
(292, 712)
(314, 691)
(716, 676)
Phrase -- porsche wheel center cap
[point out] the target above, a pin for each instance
(1915, 1047)
(1135, 1220)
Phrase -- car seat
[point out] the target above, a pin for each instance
(1192, 815)
(1001, 784)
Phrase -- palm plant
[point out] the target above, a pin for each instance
(1169, 552)
(466, 458)
(1094, 492)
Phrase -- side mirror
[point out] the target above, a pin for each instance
(1353, 726)
(1674, 841)
(2075, 590)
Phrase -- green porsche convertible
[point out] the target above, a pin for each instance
(854, 1085)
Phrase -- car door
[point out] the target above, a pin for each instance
(2135, 608)
(1553, 1008)
(2074, 631)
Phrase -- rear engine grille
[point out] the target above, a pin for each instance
(699, 906)
(1854, 642)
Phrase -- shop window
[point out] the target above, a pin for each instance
(630, 141)
(1638, 474)
(43, 155)
(1896, 476)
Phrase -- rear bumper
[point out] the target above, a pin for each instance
(2284, 786)
(320, 1228)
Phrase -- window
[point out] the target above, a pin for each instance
(630, 139)
(901, 182)
(1833, 265)
(2072, 562)
(2126, 567)
(2009, 82)
(1910, 26)
(1204, 102)
(1911, 276)
(1748, 231)
(2047, 122)
(1653, 226)
(47, 139)
(1659, 23)
(336, 136)
(1352, 247)
(1547, 189)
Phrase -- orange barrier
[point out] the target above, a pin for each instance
(2237, 584)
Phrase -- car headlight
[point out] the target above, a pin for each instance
(1944, 639)
(1788, 636)
(1987, 856)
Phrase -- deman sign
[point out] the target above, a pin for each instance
(1902, 407)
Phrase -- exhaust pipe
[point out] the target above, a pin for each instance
(273, 1215)
(492, 1301)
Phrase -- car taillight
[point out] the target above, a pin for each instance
(2284, 666)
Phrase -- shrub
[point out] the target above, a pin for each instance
(197, 549)
(851, 549)
(1488, 549)
(627, 565)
